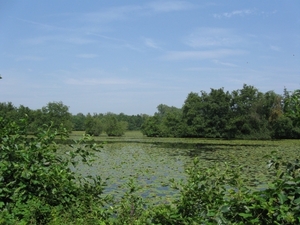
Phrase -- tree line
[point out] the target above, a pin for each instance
(57, 115)
(245, 113)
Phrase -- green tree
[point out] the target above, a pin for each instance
(247, 117)
(8, 110)
(151, 126)
(93, 125)
(166, 122)
(163, 110)
(292, 106)
(78, 121)
(192, 114)
(206, 115)
(273, 107)
(171, 124)
(113, 127)
(39, 119)
(215, 111)
(170, 119)
(135, 122)
(292, 110)
(282, 128)
(57, 113)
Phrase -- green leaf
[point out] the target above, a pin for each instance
(297, 201)
(225, 208)
(245, 215)
(282, 198)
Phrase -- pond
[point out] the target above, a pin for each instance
(152, 165)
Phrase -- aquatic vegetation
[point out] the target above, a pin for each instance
(153, 162)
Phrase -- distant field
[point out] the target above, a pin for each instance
(128, 134)
(137, 136)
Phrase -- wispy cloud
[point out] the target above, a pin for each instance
(224, 63)
(126, 12)
(151, 43)
(106, 37)
(244, 12)
(98, 81)
(275, 48)
(168, 6)
(111, 14)
(40, 25)
(115, 42)
(198, 55)
(212, 37)
(67, 38)
(87, 56)
(268, 13)
(29, 58)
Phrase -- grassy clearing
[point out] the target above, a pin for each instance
(137, 136)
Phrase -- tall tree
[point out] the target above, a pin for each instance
(78, 121)
(247, 119)
(292, 106)
(8, 110)
(93, 125)
(292, 110)
(58, 114)
(192, 115)
(151, 126)
(113, 127)
(216, 111)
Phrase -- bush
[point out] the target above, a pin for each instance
(36, 178)
(113, 127)
(219, 195)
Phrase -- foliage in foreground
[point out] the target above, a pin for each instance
(38, 187)
(37, 180)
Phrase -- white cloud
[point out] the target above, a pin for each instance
(98, 81)
(125, 12)
(212, 37)
(268, 13)
(111, 14)
(87, 56)
(168, 6)
(42, 26)
(150, 43)
(115, 42)
(196, 55)
(244, 12)
(106, 37)
(67, 38)
(29, 58)
(224, 63)
(275, 48)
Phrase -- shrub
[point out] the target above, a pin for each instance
(36, 178)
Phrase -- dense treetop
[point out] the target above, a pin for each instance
(246, 113)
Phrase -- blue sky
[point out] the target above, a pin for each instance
(130, 56)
